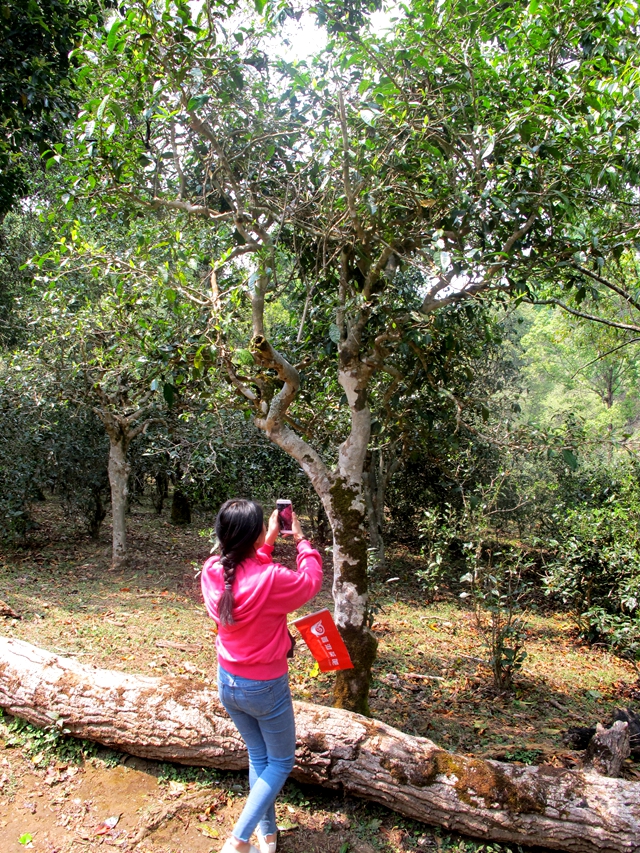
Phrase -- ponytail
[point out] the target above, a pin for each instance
(225, 605)
(238, 526)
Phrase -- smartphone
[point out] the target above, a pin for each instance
(285, 516)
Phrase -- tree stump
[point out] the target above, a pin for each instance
(608, 749)
(630, 717)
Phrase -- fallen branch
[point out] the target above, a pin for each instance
(8, 612)
(181, 647)
(189, 803)
(178, 719)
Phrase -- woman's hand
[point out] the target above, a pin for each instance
(273, 529)
(296, 529)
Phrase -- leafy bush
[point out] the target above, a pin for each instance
(499, 592)
(49, 443)
(22, 462)
(619, 631)
(220, 455)
(439, 530)
(595, 569)
(77, 453)
(495, 579)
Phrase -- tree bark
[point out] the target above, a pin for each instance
(371, 494)
(119, 469)
(609, 748)
(181, 720)
(122, 429)
(347, 514)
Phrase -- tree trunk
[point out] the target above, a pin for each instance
(180, 508)
(122, 429)
(346, 508)
(96, 513)
(181, 720)
(119, 469)
(350, 595)
(371, 494)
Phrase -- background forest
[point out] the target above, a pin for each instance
(393, 276)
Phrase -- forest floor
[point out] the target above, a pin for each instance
(429, 679)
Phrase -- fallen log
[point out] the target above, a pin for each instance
(179, 719)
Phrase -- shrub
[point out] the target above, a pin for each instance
(499, 592)
(595, 569)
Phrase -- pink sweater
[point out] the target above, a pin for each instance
(256, 644)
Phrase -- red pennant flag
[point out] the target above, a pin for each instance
(323, 638)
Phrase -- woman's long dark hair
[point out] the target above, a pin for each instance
(238, 525)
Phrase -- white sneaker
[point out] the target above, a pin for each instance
(266, 846)
(228, 847)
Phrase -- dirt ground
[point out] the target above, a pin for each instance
(72, 807)
(430, 679)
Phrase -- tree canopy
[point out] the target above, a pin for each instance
(36, 90)
(337, 220)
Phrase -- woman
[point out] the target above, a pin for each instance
(249, 597)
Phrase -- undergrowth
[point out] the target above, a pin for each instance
(51, 743)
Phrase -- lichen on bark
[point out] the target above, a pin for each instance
(351, 690)
(350, 533)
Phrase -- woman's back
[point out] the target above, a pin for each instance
(256, 643)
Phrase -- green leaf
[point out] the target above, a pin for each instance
(260, 4)
(197, 102)
(570, 459)
(115, 109)
(113, 34)
(334, 333)
(168, 392)
(27, 838)
(102, 107)
(244, 357)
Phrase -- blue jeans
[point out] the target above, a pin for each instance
(263, 714)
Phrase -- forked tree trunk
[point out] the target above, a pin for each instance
(119, 469)
(180, 720)
(341, 493)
